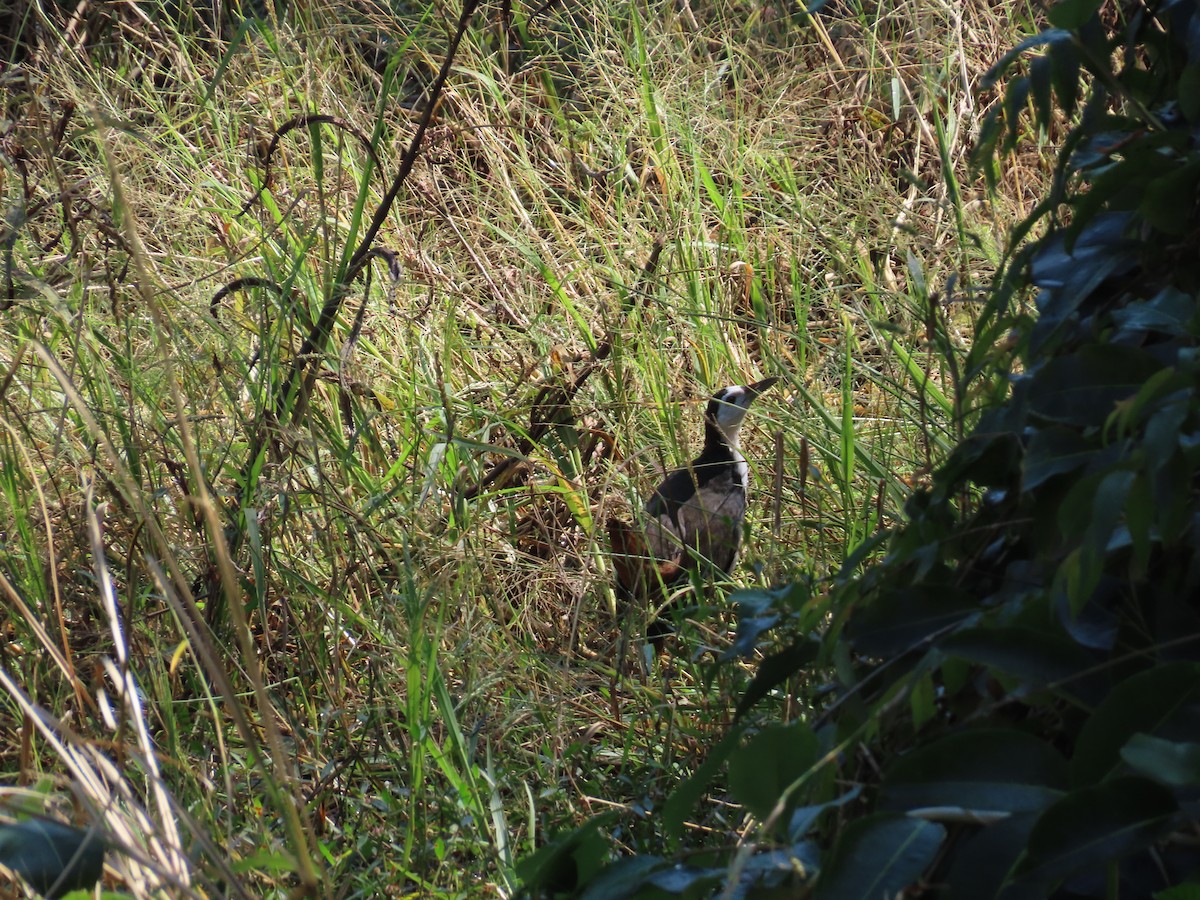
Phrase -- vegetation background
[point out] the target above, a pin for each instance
(316, 396)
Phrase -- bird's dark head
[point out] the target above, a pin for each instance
(729, 405)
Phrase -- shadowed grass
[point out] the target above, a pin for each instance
(438, 644)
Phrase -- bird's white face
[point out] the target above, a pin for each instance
(728, 406)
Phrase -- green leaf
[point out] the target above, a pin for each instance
(1015, 99)
(773, 868)
(759, 610)
(778, 668)
(1108, 505)
(1162, 430)
(1071, 14)
(1175, 763)
(1170, 311)
(983, 156)
(1139, 517)
(1168, 201)
(983, 769)
(568, 861)
(1035, 656)
(1141, 703)
(1068, 272)
(54, 858)
(1064, 58)
(1085, 388)
(1041, 80)
(1151, 395)
(623, 878)
(1189, 92)
(683, 881)
(805, 817)
(769, 764)
(985, 859)
(1052, 451)
(899, 620)
(1180, 892)
(878, 856)
(995, 73)
(1091, 827)
(922, 700)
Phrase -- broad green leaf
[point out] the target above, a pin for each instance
(1041, 80)
(1152, 394)
(988, 459)
(568, 861)
(1093, 826)
(878, 856)
(1052, 451)
(1015, 99)
(623, 879)
(995, 73)
(1068, 273)
(1084, 389)
(900, 620)
(1139, 518)
(1170, 311)
(1161, 438)
(53, 857)
(778, 668)
(984, 860)
(1189, 92)
(1064, 58)
(1174, 509)
(1037, 657)
(769, 764)
(1094, 627)
(983, 769)
(1168, 201)
(1176, 763)
(1108, 505)
(778, 868)
(805, 817)
(922, 700)
(686, 881)
(1071, 14)
(1141, 703)
(759, 610)
(1180, 892)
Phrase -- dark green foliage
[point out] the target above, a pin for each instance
(899, 849)
(1016, 704)
(54, 859)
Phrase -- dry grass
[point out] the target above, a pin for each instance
(440, 649)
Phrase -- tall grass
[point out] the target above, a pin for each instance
(367, 616)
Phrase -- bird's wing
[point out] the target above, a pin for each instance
(664, 531)
(639, 571)
(710, 526)
(678, 488)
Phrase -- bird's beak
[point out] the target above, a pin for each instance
(759, 386)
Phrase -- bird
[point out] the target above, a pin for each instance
(692, 522)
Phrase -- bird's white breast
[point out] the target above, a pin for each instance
(741, 471)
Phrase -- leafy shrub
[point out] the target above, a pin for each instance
(1016, 705)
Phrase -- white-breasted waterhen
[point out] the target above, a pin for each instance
(693, 520)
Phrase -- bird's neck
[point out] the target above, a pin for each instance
(719, 446)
